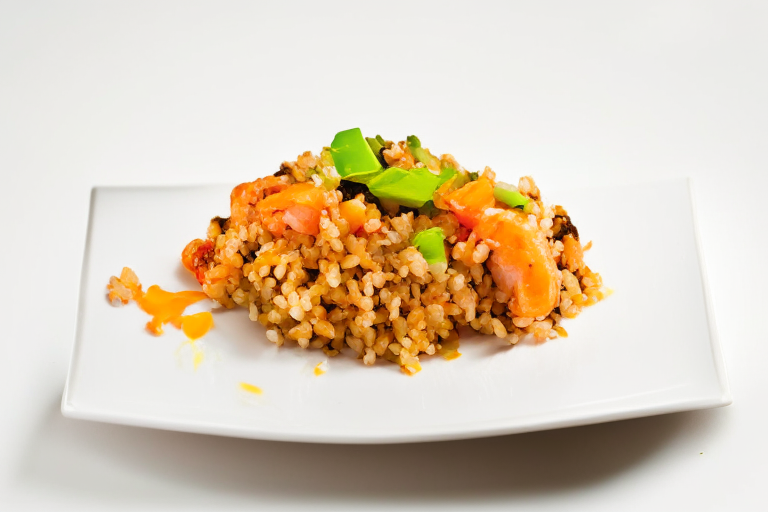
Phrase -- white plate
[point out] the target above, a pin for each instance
(651, 348)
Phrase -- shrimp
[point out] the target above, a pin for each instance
(246, 196)
(297, 206)
(521, 263)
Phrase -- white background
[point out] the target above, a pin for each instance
(191, 92)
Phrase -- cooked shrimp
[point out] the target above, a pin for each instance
(297, 206)
(522, 265)
(245, 196)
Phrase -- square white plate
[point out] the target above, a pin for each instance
(650, 348)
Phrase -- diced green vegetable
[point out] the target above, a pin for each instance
(509, 195)
(420, 154)
(353, 157)
(411, 187)
(374, 144)
(445, 175)
(413, 141)
(376, 147)
(430, 244)
(473, 176)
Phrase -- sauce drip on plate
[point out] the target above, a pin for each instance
(168, 307)
(164, 307)
(250, 388)
(196, 326)
(321, 368)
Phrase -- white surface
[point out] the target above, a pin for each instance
(149, 93)
(615, 364)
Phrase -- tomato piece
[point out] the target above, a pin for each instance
(195, 257)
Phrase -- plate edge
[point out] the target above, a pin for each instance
(455, 434)
(66, 405)
(714, 334)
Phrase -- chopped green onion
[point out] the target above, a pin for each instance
(376, 147)
(374, 144)
(420, 154)
(353, 157)
(509, 195)
(430, 244)
(413, 141)
(411, 187)
(445, 175)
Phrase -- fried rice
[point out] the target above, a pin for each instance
(316, 279)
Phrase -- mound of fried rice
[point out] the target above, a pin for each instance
(372, 290)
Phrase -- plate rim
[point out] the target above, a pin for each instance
(453, 433)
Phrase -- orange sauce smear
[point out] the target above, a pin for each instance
(196, 326)
(167, 307)
(164, 307)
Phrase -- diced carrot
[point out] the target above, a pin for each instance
(353, 211)
(573, 253)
